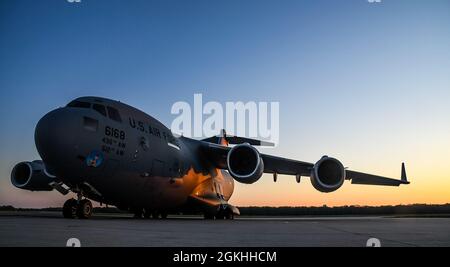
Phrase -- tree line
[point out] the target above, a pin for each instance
(414, 209)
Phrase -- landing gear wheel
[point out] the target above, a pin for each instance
(70, 209)
(155, 215)
(163, 215)
(84, 209)
(229, 215)
(138, 213)
(208, 216)
(147, 213)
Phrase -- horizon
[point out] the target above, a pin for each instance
(275, 207)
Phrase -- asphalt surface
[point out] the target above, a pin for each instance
(50, 229)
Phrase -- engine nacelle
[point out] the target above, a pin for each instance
(245, 164)
(328, 175)
(32, 176)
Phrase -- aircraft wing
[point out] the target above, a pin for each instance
(279, 165)
(273, 164)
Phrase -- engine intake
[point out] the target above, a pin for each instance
(245, 164)
(328, 175)
(32, 176)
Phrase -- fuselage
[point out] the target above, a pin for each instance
(119, 155)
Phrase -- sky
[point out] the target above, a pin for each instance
(367, 83)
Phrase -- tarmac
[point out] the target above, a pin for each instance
(25, 229)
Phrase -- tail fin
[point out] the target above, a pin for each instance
(225, 140)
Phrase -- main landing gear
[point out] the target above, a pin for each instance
(222, 214)
(228, 216)
(77, 208)
(147, 214)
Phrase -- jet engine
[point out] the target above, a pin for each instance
(327, 175)
(32, 176)
(245, 164)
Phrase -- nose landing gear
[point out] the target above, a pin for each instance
(84, 209)
(70, 209)
(73, 208)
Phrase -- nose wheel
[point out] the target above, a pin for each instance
(81, 209)
(70, 209)
(84, 209)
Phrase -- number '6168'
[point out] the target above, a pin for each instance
(116, 133)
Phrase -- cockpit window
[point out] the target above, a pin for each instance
(114, 114)
(100, 109)
(79, 104)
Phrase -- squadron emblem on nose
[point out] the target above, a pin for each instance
(94, 159)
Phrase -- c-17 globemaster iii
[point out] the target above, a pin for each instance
(112, 153)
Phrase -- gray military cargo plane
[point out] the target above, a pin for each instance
(112, 153)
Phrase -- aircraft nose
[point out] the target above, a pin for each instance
(54, 135)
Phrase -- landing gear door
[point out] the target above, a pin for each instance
(218, 190)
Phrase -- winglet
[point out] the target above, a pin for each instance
(404, 179)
